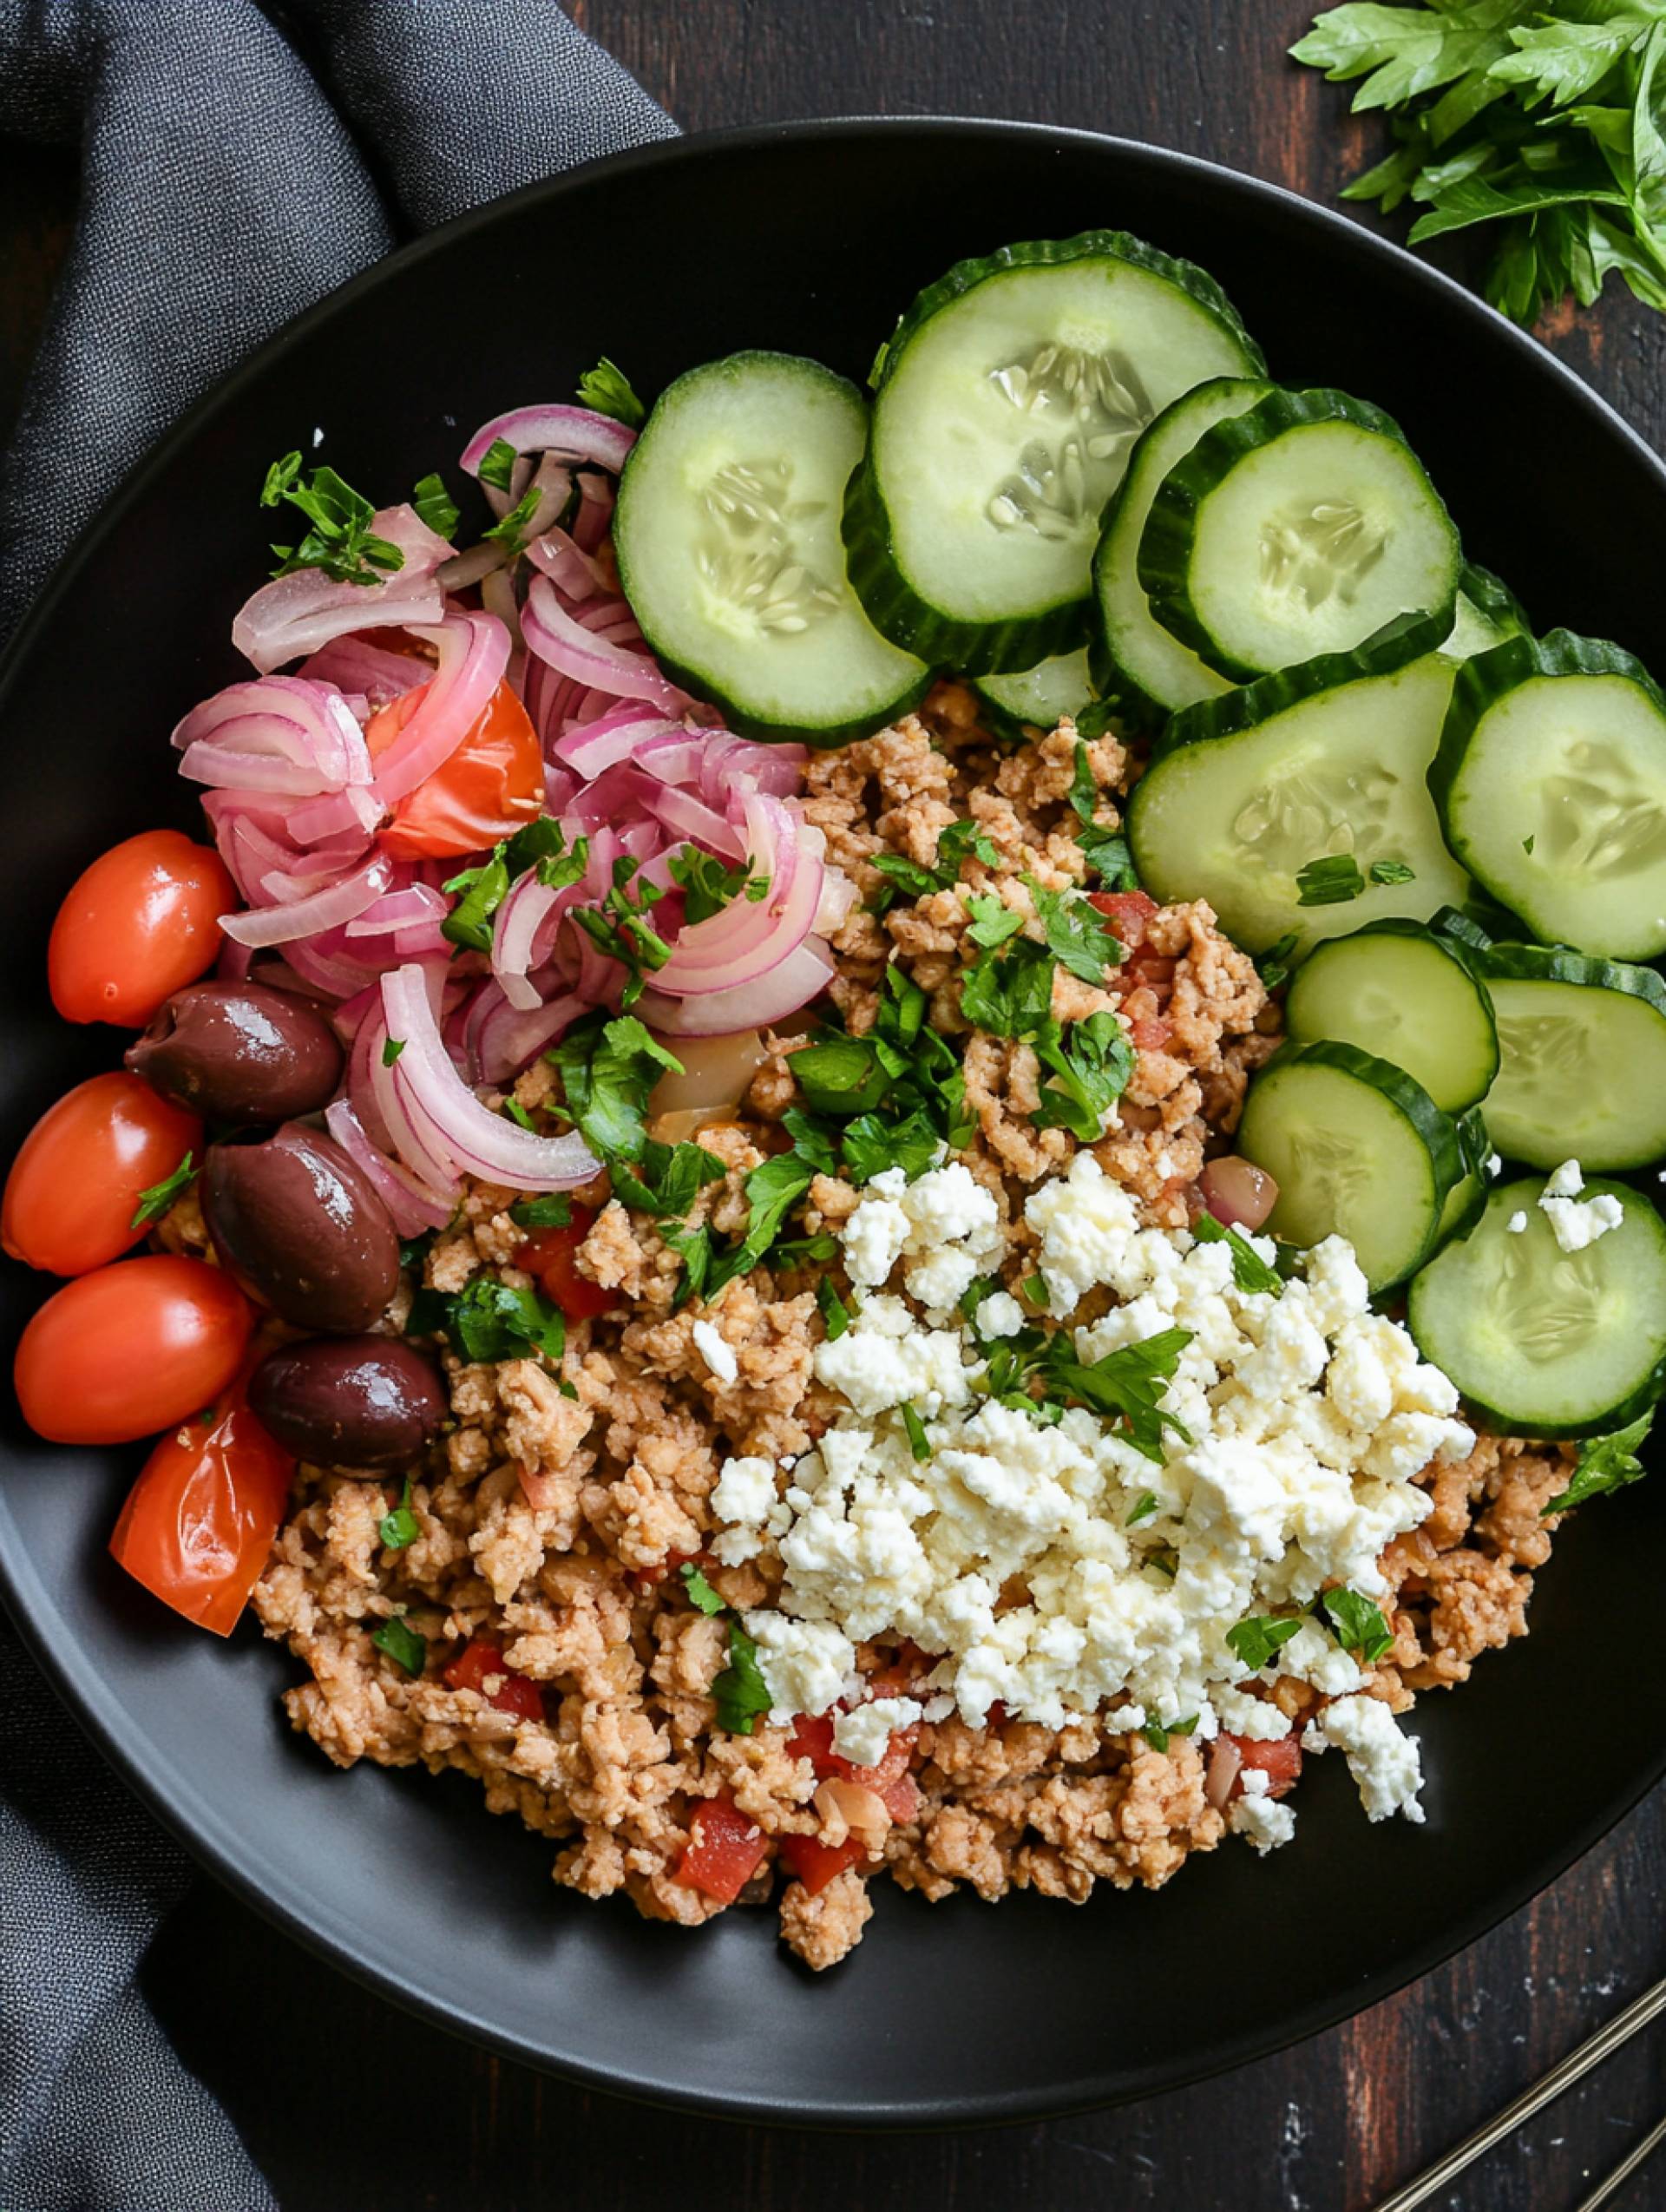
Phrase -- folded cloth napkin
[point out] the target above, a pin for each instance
(236, 163)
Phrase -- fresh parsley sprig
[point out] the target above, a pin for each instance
(154, 1202)
(1359, 1623)
(606, 390)
(1250, 1272)
(1105, 850)
(619, 927)
(956, 842)
(740, 1690)
(339, 540)
(1603, 1464)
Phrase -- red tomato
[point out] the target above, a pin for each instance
(1281, 1763)
(480, 1661)
(130, 1350)
(551, 1254)
(139, 924)
(1128, 912)
(812, 1739)
(815, 1863)
(199, 1524)
(76, 1182)
(492, 784)
(723, 1851)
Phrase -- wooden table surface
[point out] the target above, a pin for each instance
(346, 2102)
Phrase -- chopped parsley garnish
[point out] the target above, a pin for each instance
(606, 390)
(1157, 1733)
(513, 529)
(1034, 1292)
(701, 1595)
(741, 1690)
(954, 845)
(710, 884)
(434, 506)
(1143, 1507)
(401, 1644)
(1359, 1623)
(489, 1320)
(519, 1114)
(992, 923)
(1250, 1272)
(1274, 965)
(1602, 1464)
(1010, 994)
(340, 541)
(1078, 934)
(1091, 1062)
(1392, 872)
(497, 464)
(1125, 1385)
(401, 1527)
(979, 1288)
(833, 1311)
(607, 1070)
(549, 1212)
(479, 891)
(1253, 1642)
(666, 1179)
(414, 1250)
(1330, 882)
(391, 1049)
(1105, 850)
(154, 1203)
(841, 1075)
(619, 927)
(1530, 841)
(919, 1442)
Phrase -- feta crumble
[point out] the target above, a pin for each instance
(1577, 1224)
(1517, 1225)
(717, 1352)
(863, 1736)
(1384, 1762)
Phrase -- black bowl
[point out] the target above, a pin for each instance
(809, 238)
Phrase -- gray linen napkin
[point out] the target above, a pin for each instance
(237, 162)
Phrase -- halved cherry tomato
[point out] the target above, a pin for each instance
(552, 1254)
(723, 1851)
(130, 1350)
(1127, 912)
(815, 1863)
(490, 787)
(479, 1663)
(138, 925)
(80, 1174)
(199, 1524)
(1281, 1763)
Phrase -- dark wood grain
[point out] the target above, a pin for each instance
(346, 2102)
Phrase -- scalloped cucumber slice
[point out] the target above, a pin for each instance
(1582, 1071)
(1040, 697)
(1543, 1343)
(1136, 661)
(1394, 989)
(1297, 528)
(1550, 780)
(1316, 762)
(1008, 400)
(727, 534)
(1357, 1150)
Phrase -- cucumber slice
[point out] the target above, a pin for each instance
(1136, 661)
(1357, 1149)
(1008, 402)
(1467, 1201)
(1543, 1343)
(1550, 780)
(1487, 612)
(1040, 697)
(727, 534)
(1329, 758)
(1583, 1058)
(1298, 527)
(1394, 989)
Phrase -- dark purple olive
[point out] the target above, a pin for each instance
(351, 1402)
(239, 1051)
(300, 1225)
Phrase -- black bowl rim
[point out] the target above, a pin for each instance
(194, 1819)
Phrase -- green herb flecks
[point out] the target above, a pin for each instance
(1254, 1641)
(1157, 1733)
(154, 1202)
(1142, 1509)
(497, 464)
(919, 1442)
(1105, 850)
(619, 927)
(710, 884)
(549, 1212)
(740, 1690)
(434, 506)
(339, 540)
(1603, 1464)
(956, 843)
(836, 1315)
(401, 1644)
(401, 1527)
(1250, 1272)
(1359, 1623)
(606, 390)
(1330, 882)
(1274, 965)
(702, 1596)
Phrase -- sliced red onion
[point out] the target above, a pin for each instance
(448, 1115)
(474, 652)
(280, 734)
(687, 816)
(793, 982)
(299, 613)
(1237, 1192)
(1224, 1761)
(398, 909)
(622, 734)
(355, 664)
(322, 910)
(509, 1040)
(412, 1208)
(555, 637)
(356, 809)
(577, 574)
(750, 939)
(522, 914)
(574, 433)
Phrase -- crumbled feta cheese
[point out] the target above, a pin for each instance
(804, 1662)
(1264, 1822)
(1517, 1224)
(717, 1352)
(1576, 1225)
(885, 1356)
(1494, 1164)
(874, 1237)
(1256, 1719)
(744, 1490)
(1385, 1763)
(999, 1315)
(732, 1548)
(863, 1736)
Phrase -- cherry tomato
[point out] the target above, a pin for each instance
(479, 1663)
(723, 1853)
(552, 1256)
(131, 1350)
(492, 784)
(139, 924)
(77, 1180)
(815, 1863)
(199, 1524)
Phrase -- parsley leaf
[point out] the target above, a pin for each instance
(919, 1442)
(710, 884)
(1010, 994)
(401, 1527)
(1253, 1642)
(1143, 1507)
(497, 464)
(741, 1690)
(340, 541)
(607, 1069)
(1274, 965)
(1157, 1733)
(954, 845)
(606, 390)
(841, 1075)
(1330, 882)
(833, 1311)
(434, 506)
(154, 1203)
(1392, 872)
(1078, 934)
(702, 1596)
(870, 1145)
(1091, 1062)
(992, 923)
(667, 1178)
(1360, 1624)
(511, 529)
(489, 1320)
(1105, 850)
(1128, 1383)
(619, 927)
(549, 1212)
(391, 1049)
(479, 893)
(1250, 1272)
(401, 1644)
(1603, 1463)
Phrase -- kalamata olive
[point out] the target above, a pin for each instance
(239, 1051)
(352, 1402)
(302, 1227)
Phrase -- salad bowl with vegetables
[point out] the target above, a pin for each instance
(896, 1114)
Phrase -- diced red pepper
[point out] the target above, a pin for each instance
(479, 1663)
(812, 1739)
(814, 1863)
(552, 1256)
(723, 1852)
(1127, 912)
(1281, 1763)
(1150, 1035)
